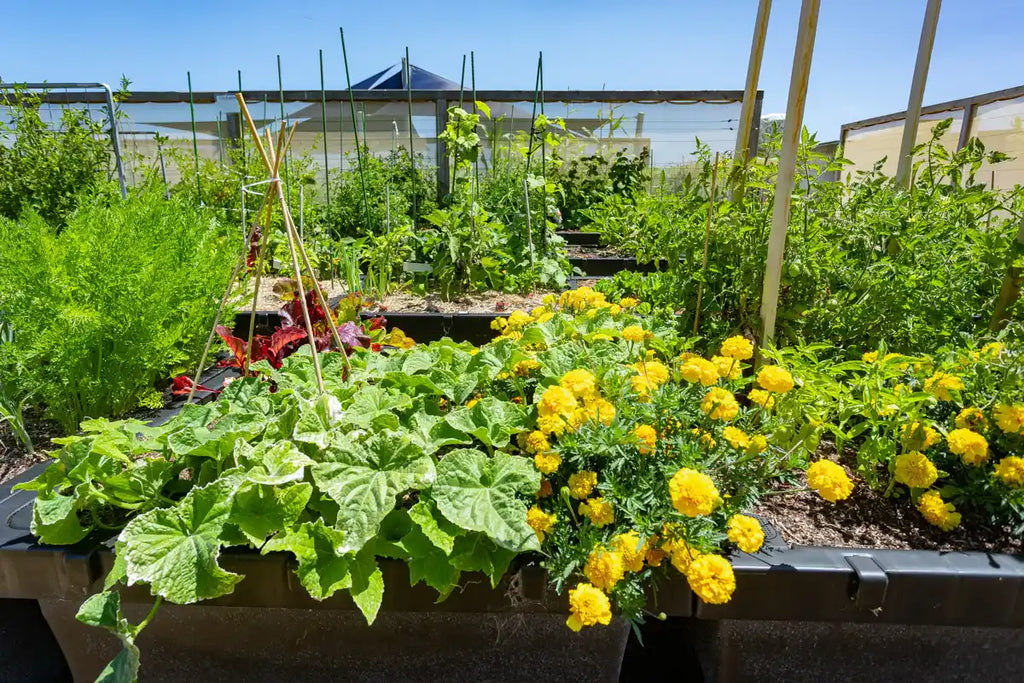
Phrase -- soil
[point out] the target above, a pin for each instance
(269, 301)
(13, 458)
(480, 302)
(582, 252)
(867, 519)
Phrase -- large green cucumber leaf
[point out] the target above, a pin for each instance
(479, 493)
(367, 588)
(490, 420)
(175, 549)
(431, 432)
(439, 530)
(477, 553)
(364, 479)
(324, 564)
(258, 510)
(103, 610)
(429, 564)
(272, 462)
(55, 519)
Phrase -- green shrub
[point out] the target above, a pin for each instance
(47, 170)
(118, 299)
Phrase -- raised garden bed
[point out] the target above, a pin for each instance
(580, 238)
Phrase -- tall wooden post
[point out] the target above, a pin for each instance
(924, 57)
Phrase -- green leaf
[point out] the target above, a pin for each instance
(55, 520)
(103, 610)
(490, 420)
(367, 584)
(480, 494)
(429, 564)
(272, 463)
(364, 479)
(324, 565)
(175, 549)
(431, 432)
(439, 530)
(477, 553)
(259, 510)
(317, 420)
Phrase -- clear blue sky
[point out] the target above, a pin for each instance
(863, 58)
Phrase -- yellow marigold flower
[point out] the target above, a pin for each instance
(655, 371)
(556, 400)
(537, 310)
(544, 317)
(588, 606)
(700, 370)
(829, 480)
(712, 579)
(634, 333)
(615, 309)
(1010, 470)
(708, 441)
(941, 384)
(972, 418)
(541, 522)
(1010, 418)
(738, 347)
(499, 324)
(600, 336)
(519, 319)
(581, 484)
(938, 512)
(600, 410)
(728, 368)
(628, 302)
(992, 349)
(525, 368)
(604, 568)
(631, 549)
(547, 462)
(680, 554)
(548, 300)
(533, 442)
(655, 556)
(720, 404)
(776, 379)
(758, 444)
(915, 470)
(552, 424)
(648, 438)
(581, 383)
(736, 437)
(870, 357)
(693, 493)
(762, 398)
(917, 436)
(970, 446)
(599, 511)
(545, 489)
(746, 533)
(472, 402)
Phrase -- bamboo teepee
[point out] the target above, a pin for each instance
(273, 153)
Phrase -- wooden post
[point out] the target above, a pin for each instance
(743, 151)
(787, 165)
(924, 56)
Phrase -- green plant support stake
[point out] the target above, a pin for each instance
(412, 152)
(241, 135)
(195, 143)
(543, 162)
(355, 130)
(476, 163)
(462, 81)
(323, 120)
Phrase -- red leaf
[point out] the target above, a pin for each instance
(236, 345)
(284, 336)
(182, 384)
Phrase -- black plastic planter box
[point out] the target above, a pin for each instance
(579, 238)
(600, 266)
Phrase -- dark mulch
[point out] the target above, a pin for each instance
(578, 251)
(14, 459)
(867, 519)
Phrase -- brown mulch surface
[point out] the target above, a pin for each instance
(867, 519)
(13, 458)
(579, 251)
(269, 301)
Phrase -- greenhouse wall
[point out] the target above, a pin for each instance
(995, 118)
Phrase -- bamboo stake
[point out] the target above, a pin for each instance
(913, 117)
(707, 241)
(787, 165)
(276, 183)
(743, 152)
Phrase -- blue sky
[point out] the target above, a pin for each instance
(863, 59)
